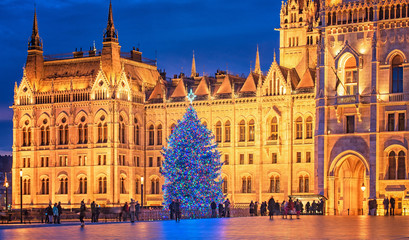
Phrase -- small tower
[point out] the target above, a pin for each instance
(257, 68)
(111, 51)
(193, 72)
(35, 60)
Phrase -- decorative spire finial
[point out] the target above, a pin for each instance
(110, 34)
(193, 72)
(35, 42)
(257, 68)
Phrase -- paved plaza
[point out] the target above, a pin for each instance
(308, 227)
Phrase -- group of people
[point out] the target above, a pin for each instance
(52, 214)
(132, 211)
(389, 204)
(95, 211)
(224, 209)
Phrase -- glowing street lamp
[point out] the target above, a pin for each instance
(21, 196)
(363, 187)
(6, 185)
(141, 191)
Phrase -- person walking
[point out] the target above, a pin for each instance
(137, 210)
(386, 205)
(177, 210)
(227, 208)
(298, 208)
(271, 205)
(132, 210)
(172, 209)
(213, 206)
(221, 210)
(47, 219)
(392, 202)
(125, 211)
(307, 207)
(97, 211)
(59, 212)
(255, 208)
(55, 213)
(83, 208)
(50, 214)
(93, 211)
(251, 208)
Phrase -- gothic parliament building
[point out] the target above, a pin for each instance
(328, 120)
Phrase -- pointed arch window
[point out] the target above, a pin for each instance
(102, 185)
(172, 128)
(151, 135)
(392, 165)
(397, 75)
(308, 128)
(42, 130)
(26, 136)
(122, 185)
(159, 135)
(351, 76)
(26, 186)
(218, 132)
(82, 133)
(224, 185)
(274, 129)
(298, 128)
(64, 185)
(274, 184)
(251, 131)
(136, 132)
(401, 165)
(242, 131)
(83, 185)
(227, 132)
(137, 183)
(303, 184)
(45, 186)
(155, 186)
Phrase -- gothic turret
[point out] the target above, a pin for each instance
(193, 72)
(111, 51)
(35, 59)
(257, 68)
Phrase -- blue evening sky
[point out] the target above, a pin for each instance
(223, 34)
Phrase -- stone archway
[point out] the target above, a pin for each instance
(349, 172)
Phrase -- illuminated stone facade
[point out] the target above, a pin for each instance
(91, 126)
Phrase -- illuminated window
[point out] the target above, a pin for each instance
(401, 165)
(274, 129)
(392, 165)
(151, 135)
(397, 75)
(227, 131)
(251, 131)
(219, 132)
(159, 135)
(308, 128)
(274, 184)
(224, 185)
(298, 128)
(351, 77)
(242, 131)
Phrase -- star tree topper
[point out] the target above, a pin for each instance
(191, 96)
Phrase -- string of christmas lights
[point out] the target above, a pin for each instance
(192, 167)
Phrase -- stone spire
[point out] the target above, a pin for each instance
(257, 68)
(193, 72)
(110, 34)
(35, 42)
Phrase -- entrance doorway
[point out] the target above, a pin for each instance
(349, 176)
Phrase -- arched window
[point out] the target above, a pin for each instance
(308, 128)
(371, 14)
(83, 186)
(61, 134)
(386, 12)
(155, 186)
(274, 129)
(244, 185)
(218, 131)
(381, 13)
(401, 165)
(102, 185)
(351, 76)
(334, 18)
(392, 165)
(392, 12)
(398, 11)
(82, 133)
(136, 132)
(397, 75)
(64, 185)
(404, 10)
(137, 183)
(224, 185)
(298, 128)
(66, 134)
(274, 184)
(45, 186)
(159, 135)
(242, 131)
(151, 135)
(122, 185)
(42, 130)
(227, 131)
(26, 187)
(248, 184)
(105, 133)
(251, 131)
(121, 130)
(329, 19)
(303, 184)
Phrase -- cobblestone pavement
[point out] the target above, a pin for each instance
(308, 227)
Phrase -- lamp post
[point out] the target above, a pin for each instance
(141, 191)
(363, 190)
(6, 185)
(21, 196)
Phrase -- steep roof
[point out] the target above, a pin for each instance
(225, 87)
(157, 92)
(202, 89)
(307, 81)
(250, 84)
(180, 90)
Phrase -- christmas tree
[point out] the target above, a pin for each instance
(192, 167)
